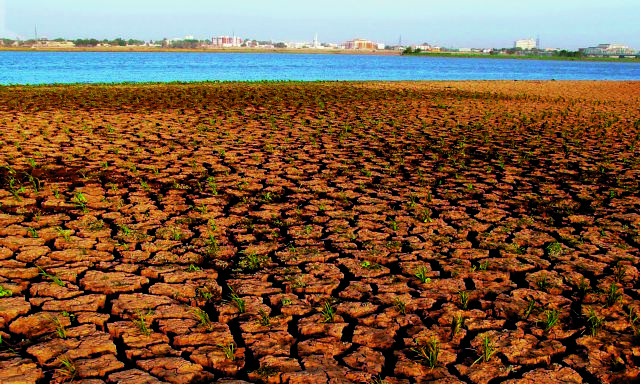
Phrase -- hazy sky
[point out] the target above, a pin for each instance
(456, 23)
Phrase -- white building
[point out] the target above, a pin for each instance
(525, 44)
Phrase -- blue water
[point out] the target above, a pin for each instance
(107, 67)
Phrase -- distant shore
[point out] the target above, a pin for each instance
(209, 50)
(456, 55)
(453, 55)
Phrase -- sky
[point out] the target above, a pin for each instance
(568, 24)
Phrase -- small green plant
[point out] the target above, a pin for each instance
(193, 268)
(176, 234)
(229, 350)
(483, 266)
(543, 282)
(80, 201)
(619, 271)
(425, 216)
(531, 307)
(554, 249)
(285, 302)
(213, 186)
(369, 265)
(238, 302)
(32, 232)
(202, 317)
(464, 298)
(267, 197)
(205, 293)
(60, 330)
(68, 369)
(428, 352)
(141, 323)
(145, 186)
(328, 312)
(594, 322)
(53, 278)
(400, 306)
(393, 225)
(35, 183)
(457, 321)
(66, 234)
(487, 350)
(251, 261)
(125, 230)
(421, 274)
(265, 319)
(212, 245)
(550, 318)
(614, 295)
(5, 292)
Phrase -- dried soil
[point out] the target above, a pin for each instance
(320, 232)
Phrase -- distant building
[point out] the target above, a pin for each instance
(609, 50)
(526, 44)
(226, 41)
(362, 44)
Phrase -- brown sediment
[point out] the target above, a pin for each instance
(320, 232)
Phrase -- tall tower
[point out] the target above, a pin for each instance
(315, 41)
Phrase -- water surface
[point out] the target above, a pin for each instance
(106, 67)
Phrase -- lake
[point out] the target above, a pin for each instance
(107, 67)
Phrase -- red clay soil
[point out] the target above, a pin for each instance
(466, 232)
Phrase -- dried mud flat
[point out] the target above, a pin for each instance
(472, 232)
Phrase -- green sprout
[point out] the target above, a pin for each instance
(328, 312)
(464, 299)
(594, 322)
(265, 319)
(5, 292)
(400, 305)
(201, 316)
(421, 274)
(614, 295)
(53, 278)
(228, 350)
(68, 369)
(551, 318)
(238, 302)
(141, 323)
(428, 352)
(487, 350)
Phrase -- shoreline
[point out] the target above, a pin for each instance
(206, 50)
(528, 57)
(317, 52)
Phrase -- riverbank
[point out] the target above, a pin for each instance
(521, 57)
(207, 50)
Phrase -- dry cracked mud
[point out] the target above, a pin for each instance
(450, 232)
